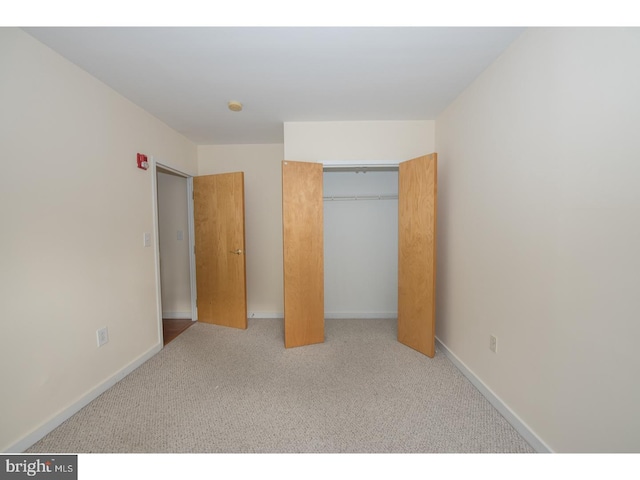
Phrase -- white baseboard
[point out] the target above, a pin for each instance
(265, 315)
(23, 444)
(178, 315)
(371, 315)
(330, 315)
(522, 428)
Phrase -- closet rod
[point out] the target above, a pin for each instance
(360, 197)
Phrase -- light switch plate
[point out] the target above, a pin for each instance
(493, 343)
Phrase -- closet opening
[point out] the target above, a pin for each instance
(360, 206)
(346, 262)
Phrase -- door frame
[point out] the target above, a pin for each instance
(155, 166)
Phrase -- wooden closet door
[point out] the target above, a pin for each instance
(417, 202)
(303, 239)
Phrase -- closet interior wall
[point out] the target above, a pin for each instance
(361, 243)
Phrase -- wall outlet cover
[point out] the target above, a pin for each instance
(103, 336)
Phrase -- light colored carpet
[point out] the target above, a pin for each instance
(220, 390)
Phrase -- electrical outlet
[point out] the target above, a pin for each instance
(103, 336)
(493, 343)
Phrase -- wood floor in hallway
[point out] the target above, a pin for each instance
(172, 327)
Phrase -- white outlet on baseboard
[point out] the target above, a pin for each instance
(493, 343)
(103, 336)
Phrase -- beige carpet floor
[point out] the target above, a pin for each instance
(220, 390)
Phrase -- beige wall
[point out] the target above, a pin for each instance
(539, 228)
(74, 208)
(261, 165)
(358, 141)
(173, 226)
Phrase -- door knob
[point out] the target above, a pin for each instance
(237, 252)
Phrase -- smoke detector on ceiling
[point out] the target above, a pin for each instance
(235, 106)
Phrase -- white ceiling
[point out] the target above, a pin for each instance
(185, 76)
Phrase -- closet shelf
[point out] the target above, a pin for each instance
(359, 197)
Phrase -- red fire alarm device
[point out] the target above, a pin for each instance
(142, 162)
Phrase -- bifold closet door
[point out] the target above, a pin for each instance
(417, 202)
(303, 255)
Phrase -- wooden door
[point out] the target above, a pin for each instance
(417, 202)
(302, 221)
(218, 202)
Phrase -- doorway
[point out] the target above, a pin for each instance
(361, 242)
(175, 272)
(200, 190)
